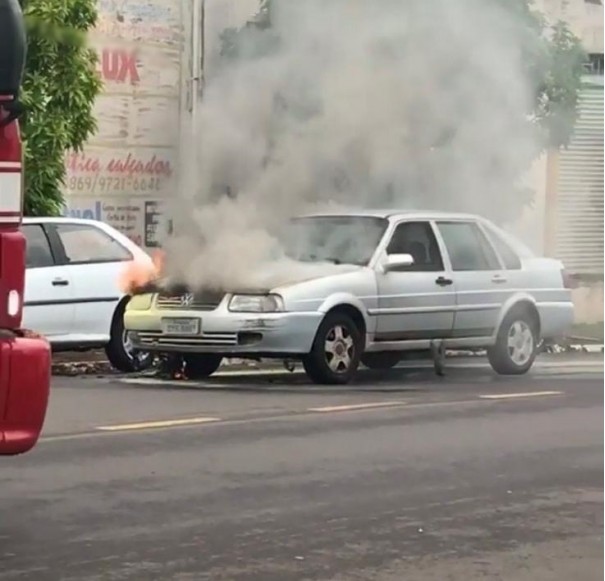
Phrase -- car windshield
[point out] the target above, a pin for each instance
(336, 239)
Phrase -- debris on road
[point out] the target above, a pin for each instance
(95, 363)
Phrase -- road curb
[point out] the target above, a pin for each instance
(241, 368)
(589, 348)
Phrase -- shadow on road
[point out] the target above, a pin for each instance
(408, 379)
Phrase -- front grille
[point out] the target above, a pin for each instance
(198, 301)
(204, 340)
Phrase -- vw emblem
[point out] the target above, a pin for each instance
(186, 299)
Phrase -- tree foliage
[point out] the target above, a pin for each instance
(59, 88)
(561, 79)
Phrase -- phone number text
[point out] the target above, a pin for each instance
(96, 183)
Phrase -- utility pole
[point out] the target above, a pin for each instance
(197, 56)
(192, 86)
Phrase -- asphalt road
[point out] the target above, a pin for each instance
(400, 477)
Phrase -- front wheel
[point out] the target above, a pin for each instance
(336, 350)
(200, 366)
(120, 351)
(516, 345)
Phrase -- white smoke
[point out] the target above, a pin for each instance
(359, 103)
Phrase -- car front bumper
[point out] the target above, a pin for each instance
(225, 333)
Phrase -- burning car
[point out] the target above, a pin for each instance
(375, 284)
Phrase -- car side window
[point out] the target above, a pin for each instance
(86, 244)
(417, 239)
(468, 247)
(507, 254)
(37, 247)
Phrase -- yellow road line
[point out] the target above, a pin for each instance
(353, 407)
(157, 424)
(298, 415)
(515, 395)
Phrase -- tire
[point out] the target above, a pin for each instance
(119, 352)
(200, 366)
(346, 344)
(516, 344)
(384, 360)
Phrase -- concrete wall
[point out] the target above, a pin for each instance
(126, 169)
(530, 226)
(588, 303)
(586, 21)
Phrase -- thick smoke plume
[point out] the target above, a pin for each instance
(357, 103)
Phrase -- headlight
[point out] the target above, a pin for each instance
(256, 304)
(139, 302)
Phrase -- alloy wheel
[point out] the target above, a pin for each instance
(339, 349)
(520, 342)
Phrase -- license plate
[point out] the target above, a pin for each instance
(181, 326)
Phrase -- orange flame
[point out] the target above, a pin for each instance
(139, 274)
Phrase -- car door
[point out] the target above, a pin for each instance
(516, 276)
(48, 304)
(418, 301)
(95, 261)
(481, 282)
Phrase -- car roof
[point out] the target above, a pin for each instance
(108, 228)
(394, 214)
(68, 220)
(58, 219)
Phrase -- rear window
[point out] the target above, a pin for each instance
(467, 247)
(510, 250)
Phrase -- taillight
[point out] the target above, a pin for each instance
(12, 278)
(12, 240)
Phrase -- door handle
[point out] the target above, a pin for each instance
(60, 282)
(442, 281)
(498, 279)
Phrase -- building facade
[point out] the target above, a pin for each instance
(569, 205)
(127, 170)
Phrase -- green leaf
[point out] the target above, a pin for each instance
(59, 88)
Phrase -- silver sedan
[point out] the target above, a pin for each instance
(397, 282)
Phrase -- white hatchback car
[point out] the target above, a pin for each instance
(72, 293)
(406, 281)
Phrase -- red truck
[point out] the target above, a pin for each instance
(24, 357)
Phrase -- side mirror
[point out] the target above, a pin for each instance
(396, 261)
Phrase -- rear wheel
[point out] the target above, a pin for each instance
(384, 360)
(516, 345)
(336, 350)
(200, 366)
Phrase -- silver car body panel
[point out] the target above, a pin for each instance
(406, 306)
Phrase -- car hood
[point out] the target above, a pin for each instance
(270, 278)
(306, 272)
